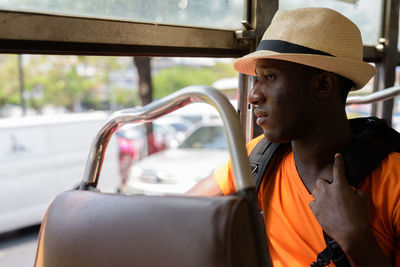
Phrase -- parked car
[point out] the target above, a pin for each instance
(41, 156)
(174, 171)
(168, 132)
(197, 113)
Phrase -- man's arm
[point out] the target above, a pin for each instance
(342, 212)
(206, 187)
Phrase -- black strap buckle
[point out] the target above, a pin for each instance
(333, 252)
(323, 258)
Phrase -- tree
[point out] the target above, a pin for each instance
(9, 85)
(172, 79)
(146, 95)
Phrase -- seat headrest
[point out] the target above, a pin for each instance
(84, 228)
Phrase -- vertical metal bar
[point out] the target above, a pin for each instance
(246, 21)
(374, 107)
(264, 12)
(379, 67)
(242, 104)
(243, 85)
(390, 59)
(246, 116)
(387, 68)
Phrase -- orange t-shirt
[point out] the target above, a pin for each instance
(294, 234)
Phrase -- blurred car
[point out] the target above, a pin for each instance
(197, 113)
(174, 171)
(41, 156)
(168, 132)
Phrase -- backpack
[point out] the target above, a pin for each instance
(372, 141)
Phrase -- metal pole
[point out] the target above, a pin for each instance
(387, 68)
(390, 60)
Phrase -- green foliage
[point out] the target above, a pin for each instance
(73, 82)
(126, 98)
(85, 83)
(172, 79)
(9, 82)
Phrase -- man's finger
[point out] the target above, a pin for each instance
(312, 205)
(315, 193)
(321, 183)
(339, 172)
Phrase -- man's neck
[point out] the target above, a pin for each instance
(314, 154)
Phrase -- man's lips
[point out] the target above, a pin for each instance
(261, 116)
(260, 113)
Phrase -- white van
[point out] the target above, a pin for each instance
(41, 156)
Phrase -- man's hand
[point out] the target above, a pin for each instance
(342, 212)
(340, 209)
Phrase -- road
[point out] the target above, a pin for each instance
(18, 248)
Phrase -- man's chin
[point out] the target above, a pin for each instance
(275, 138)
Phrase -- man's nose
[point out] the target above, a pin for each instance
(256, 97)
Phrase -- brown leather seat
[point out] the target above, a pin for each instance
(83, 228)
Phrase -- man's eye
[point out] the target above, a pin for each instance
(269, 77)
(265, 77)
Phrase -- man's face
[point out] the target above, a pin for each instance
(282, 99)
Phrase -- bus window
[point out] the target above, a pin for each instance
(53, 106)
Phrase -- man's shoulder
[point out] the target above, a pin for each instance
(384, 183)
(253, 142)
(393, 160)
(389, 168)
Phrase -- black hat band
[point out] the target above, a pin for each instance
(288, 48)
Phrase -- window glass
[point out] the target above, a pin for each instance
(51, 108)
(366, 14)
(224, 14)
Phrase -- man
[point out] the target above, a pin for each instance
(305, 65)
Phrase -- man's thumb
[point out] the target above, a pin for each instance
(339, 171)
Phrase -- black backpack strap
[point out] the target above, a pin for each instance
(260, 158)
(373, 141)
(333, 253)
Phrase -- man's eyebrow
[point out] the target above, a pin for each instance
(263, 67)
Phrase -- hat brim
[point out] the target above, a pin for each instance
(357, 71)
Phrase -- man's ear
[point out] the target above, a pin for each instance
(324, 85)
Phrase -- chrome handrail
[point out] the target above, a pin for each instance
(383, 95)
(191, 94)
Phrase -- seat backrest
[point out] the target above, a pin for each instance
(83, 228)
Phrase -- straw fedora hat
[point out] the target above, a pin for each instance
(318, 37)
